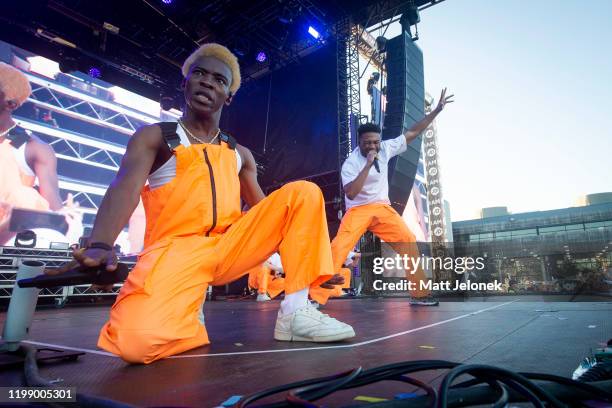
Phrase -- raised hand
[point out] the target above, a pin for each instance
(74, 217)
(444, 100)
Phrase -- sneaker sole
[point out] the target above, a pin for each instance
(284, 336)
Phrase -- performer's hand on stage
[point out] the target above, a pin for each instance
(89, 257)
(337, 279)
(444, 100)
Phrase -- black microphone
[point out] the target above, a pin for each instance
(79, 275)
(376, 166)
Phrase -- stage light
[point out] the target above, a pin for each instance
(167, 1)
(261, 57)
(313, 32)
(25, 239)
(94, 72)
(44, 66)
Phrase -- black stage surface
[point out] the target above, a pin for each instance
(527, 333)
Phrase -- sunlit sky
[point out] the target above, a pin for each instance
(531, 125)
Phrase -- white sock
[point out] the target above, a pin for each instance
(294, 301)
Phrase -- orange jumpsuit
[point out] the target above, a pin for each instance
(384, 222)
(195, 237)
(260, 278)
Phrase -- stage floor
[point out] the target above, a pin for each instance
(532, 333)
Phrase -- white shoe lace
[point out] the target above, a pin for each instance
(324, 318)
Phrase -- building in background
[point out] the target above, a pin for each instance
(489, 212)
(551, 250)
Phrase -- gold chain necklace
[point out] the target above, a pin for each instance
(195, 137)
(7, 131)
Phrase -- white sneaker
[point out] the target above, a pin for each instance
(263, 297)
(308, 324)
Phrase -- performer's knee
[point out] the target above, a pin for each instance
(305, 189)
(137, 348)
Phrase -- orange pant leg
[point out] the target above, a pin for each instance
(276, 286)
(156, 312)
(259, 277)
(346, 274)
(292, 221)
(354, 223)
(391, 228)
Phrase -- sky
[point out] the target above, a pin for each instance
(531, 125)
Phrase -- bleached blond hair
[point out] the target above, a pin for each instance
(221, 53)
(14, 84)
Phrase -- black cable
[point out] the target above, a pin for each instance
(514, 385)
(275, 390)
(596, 392)
(302, 396)
(431, 392)
(502, 401)
(601, 371)
(499, 384)
(497, 373)
(390, 371)
(522, 390)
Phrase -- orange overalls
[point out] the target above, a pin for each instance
(260, 278)
(196, 236)
(384, 222)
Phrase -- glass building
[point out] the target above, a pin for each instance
(554, 250)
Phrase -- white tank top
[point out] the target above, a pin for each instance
(167, 171)
(20, 157)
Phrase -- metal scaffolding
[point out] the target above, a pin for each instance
(79, 105)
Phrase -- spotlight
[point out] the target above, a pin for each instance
(25, 239)
(167, 1)
(94, 72)
(261, 56)
(313, 32)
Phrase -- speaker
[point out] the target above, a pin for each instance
(405, 107)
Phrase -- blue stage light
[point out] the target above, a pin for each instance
(94, 72)
(313, 32)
